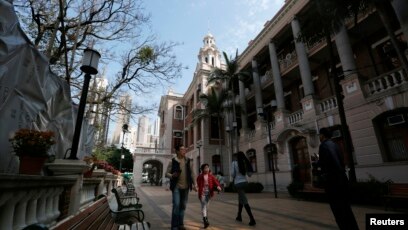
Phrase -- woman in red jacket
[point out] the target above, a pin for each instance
(206, 184)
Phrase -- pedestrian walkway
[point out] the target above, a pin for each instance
(270, 213)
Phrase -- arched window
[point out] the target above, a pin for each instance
(392, 133)
(251, 154)
(271, 156)
(178, 113)
(216, 164)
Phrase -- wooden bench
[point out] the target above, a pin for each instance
(126, 201)
(396, 191)
(130, 189)
(100, 216)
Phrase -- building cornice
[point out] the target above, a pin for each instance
(273, 27)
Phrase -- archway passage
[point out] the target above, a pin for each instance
(152, 172)
(301, 160)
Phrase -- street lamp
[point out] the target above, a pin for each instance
(199, 155)
(265, 115)
(125, 128)
(89, 66)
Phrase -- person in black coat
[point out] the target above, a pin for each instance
(335, 181)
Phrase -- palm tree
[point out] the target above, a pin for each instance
(230, 76)
(214, 108)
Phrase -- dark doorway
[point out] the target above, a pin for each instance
(152, 172)
(301, 160)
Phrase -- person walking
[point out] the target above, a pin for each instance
(181, 174)
(220, 178)
(335, 181)
(207, 183)
(240, 168)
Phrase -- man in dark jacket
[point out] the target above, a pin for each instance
(336, 182)
(182, 180)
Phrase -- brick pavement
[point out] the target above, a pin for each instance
(270, 213)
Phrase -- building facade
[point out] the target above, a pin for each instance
(178, 124)
(293, 91)
(292, 83)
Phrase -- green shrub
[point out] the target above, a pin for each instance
(370, 191)
(253, 187)
(294, 188)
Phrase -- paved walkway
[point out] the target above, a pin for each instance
(270, 213)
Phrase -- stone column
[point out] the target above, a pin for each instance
(352, 91)
(401, 9)
(257, 84)
(304, 67)
(242, 102)
(277, 78)
(345, 52)
(258, 94)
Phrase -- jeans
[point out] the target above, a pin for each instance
(242, 199)
(205, 200)
(180, 198)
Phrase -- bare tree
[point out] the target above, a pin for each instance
(62, 29)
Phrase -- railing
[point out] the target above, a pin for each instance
(88, 191)
(29, 199)
(26, 200)
(328, 104)
(295, 117)
(311, 47)
(271, 126)
(386, 82)
(250, 134)
(287, 60)
(266, 78)
(144, 150)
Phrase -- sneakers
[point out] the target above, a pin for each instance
(239, 218)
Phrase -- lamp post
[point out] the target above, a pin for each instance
(125, 128)
(89, 66)
(199, 154)
(265, 115)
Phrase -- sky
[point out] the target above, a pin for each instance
(233, 23)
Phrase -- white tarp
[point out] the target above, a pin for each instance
(30, 95)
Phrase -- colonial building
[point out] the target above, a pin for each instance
(291, 82)
(292, 94)
(201, 137)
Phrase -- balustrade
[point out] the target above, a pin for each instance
(287, 60)
(88, 191)
(250, 134)
(295, 117)
(328, 104)
(141, 150)
(26, 200)
(386, 82)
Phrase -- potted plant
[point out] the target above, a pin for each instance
(32, 146)
(92, 162)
